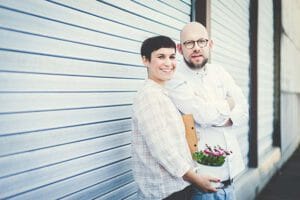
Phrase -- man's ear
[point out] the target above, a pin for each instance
(179, 48)
(210, 44)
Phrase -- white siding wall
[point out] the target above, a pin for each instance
(290, 51)
(290, 81)
(230, 33)
(69, 71)
(265, 77)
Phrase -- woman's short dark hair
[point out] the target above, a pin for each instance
(154, 43)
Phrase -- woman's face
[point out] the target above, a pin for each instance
(162, 64)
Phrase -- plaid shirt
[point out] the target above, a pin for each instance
(160, 152)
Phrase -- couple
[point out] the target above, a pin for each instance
(163, 167)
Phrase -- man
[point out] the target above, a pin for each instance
(162, 163)
(209, 93)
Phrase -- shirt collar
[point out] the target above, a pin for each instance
(199, 72)
(153, 84)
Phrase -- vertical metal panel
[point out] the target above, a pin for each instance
(290, 122)
(230, 32)
(265, 76)
(253, 149)
(277, 14)
(69, 71)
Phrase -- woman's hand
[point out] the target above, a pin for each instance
(201, 181)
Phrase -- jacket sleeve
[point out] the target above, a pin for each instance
(240, 113)
(205, 112)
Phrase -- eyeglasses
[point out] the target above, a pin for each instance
(189, 44)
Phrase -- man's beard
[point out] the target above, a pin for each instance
(195, 66)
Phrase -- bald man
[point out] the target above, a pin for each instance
(209, 93)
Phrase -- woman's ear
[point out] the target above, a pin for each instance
(179, 48)
(145, 61)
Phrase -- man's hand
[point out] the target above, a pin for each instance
(201, 181)
(228, 123)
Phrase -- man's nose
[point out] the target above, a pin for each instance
(197, 49)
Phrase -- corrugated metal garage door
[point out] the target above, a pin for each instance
(230, 33)
(69, 71)
(265, 77)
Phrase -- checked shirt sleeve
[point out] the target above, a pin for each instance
(162, 128)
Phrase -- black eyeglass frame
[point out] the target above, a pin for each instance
(201, 43)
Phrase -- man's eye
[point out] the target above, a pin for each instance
(172, 57)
